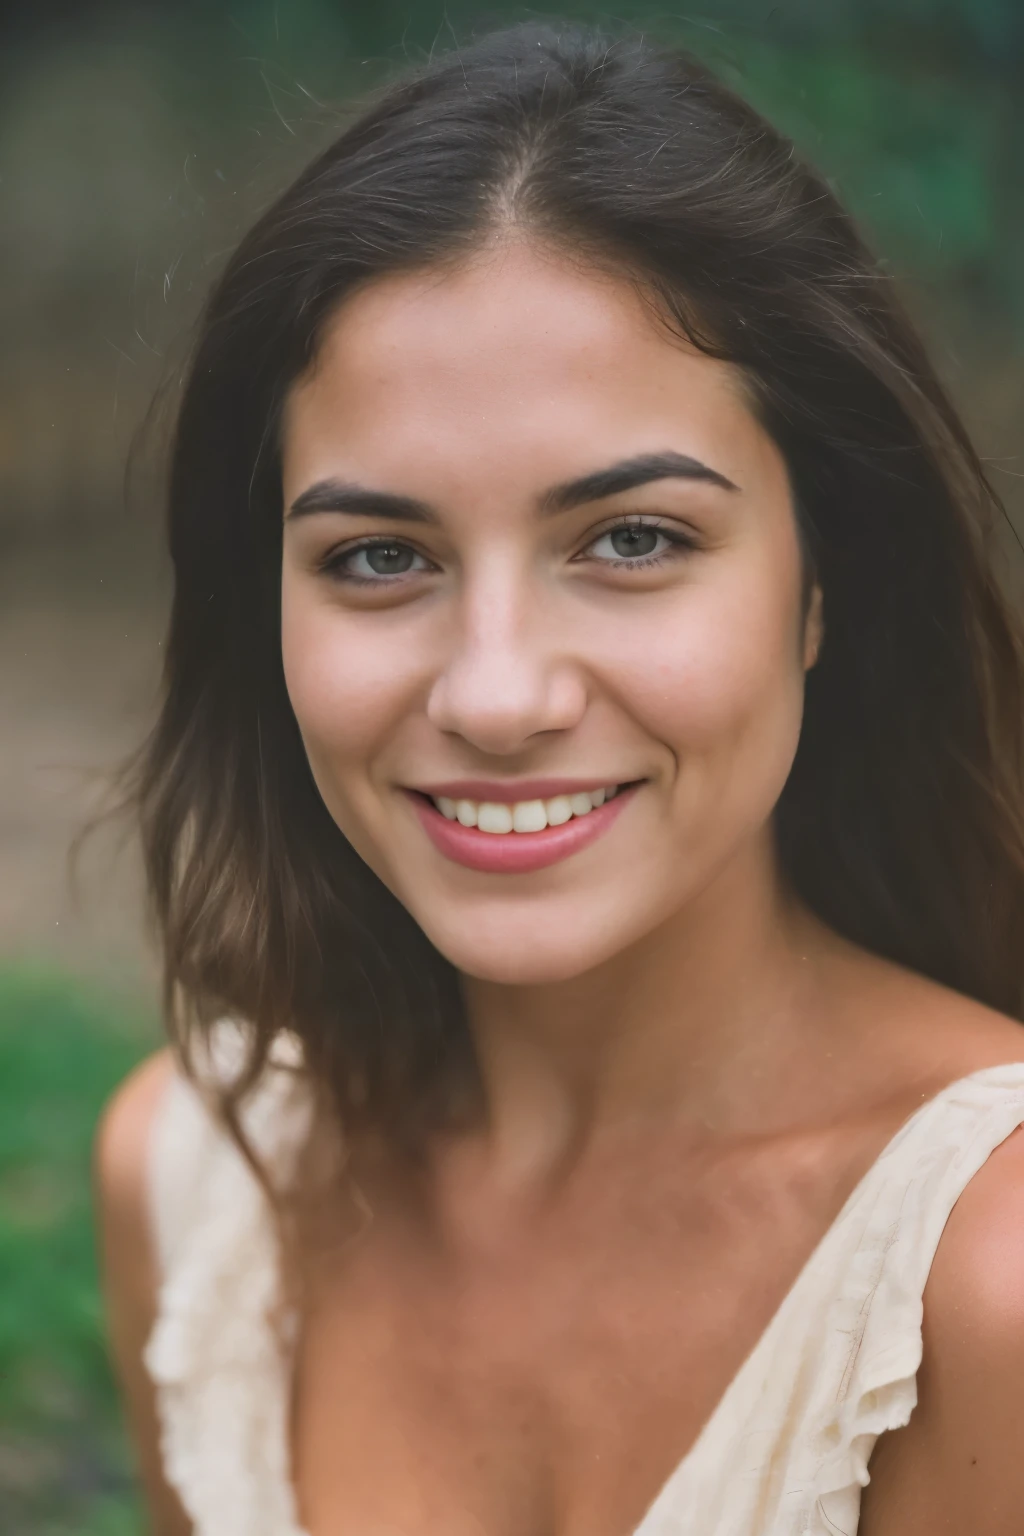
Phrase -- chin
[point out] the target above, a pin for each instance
(522, 968)
(526, 948)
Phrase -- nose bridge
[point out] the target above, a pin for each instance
(495, 605)
(504, 679)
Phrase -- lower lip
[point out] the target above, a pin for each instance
(516, 853)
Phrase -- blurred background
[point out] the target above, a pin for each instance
(137, 141)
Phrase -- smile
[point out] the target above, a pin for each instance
(505, 836)
(498, 817)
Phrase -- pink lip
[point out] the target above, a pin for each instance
(515, 853)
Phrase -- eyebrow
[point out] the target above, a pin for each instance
(360, 501)
(627, 475)
(346, 496)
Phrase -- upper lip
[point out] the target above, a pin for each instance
(510, 791)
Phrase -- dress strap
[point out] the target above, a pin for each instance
(879, 1309)
(219, 1354)
(786, 1451)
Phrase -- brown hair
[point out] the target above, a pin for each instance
(902, 824)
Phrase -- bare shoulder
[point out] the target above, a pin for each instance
(957, 1465)
(121, 1157)
(122, 1137)
(129, 1266)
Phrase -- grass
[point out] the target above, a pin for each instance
(64, 1466)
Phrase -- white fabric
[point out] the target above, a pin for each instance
(784, 1454)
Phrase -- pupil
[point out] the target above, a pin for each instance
(632, 542)
(388, 559)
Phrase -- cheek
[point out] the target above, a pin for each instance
(719, 677)
(346, 693)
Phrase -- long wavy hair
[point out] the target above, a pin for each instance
(902, 823)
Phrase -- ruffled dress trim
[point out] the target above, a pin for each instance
(220, 1353)
(786, 1451)
(921, 1175)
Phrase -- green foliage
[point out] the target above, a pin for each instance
(912, 155)
(63, 1466)
(913, 107)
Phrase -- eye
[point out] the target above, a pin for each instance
(376, 561)
(633, 541)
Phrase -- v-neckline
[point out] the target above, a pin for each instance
(663, 1501)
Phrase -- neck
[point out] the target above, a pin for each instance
(709, 1021)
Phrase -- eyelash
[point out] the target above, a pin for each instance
(335, 563)
(678, 541)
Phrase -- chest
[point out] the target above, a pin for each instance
(545, 1383)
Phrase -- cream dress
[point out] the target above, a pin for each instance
(785, 1453)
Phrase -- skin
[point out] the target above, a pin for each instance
(684, 1074)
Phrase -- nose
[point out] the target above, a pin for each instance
(506, 679)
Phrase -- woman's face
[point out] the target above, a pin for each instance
(534, 550)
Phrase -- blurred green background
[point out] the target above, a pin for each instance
(136, 142)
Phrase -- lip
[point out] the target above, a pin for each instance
(509, 791)
(515, 853)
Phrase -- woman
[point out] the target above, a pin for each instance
(589, 782)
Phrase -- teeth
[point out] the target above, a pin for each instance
(525, 815)
(492, 816)
(529, 816)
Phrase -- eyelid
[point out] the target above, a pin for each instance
(677, 534)
(661, 520)
(672, 528)
(368, 541)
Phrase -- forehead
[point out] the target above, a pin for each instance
(519, 358)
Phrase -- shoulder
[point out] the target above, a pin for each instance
(958, 1465)
(123, 1135)
(121, 1161)
(129, 1265)
(974, 1301)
